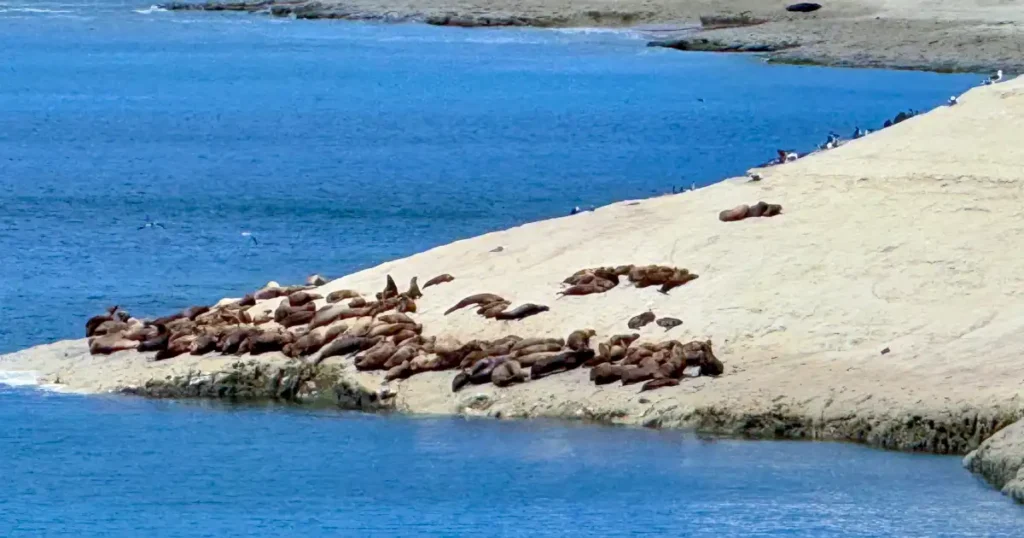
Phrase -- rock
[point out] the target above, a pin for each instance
(803, 7)
(1000, 460)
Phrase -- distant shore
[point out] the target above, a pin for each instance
(900, 34)
(882, 306)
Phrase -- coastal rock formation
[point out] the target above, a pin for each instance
(1000, 460)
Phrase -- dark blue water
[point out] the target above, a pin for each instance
(86, 467)
(344, 145)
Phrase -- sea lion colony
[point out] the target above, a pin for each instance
(381, 335)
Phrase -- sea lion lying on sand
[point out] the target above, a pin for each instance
(439, 279)
(480, 298)
(524, 311)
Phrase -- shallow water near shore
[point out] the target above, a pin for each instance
(108, 466)
(343, 145)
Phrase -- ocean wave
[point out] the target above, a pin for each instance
(149, 10)
(33, 10)
(19, 378)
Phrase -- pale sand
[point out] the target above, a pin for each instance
(906, 239)
(968, 35)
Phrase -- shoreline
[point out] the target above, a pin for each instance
(904, 34)
(879, 307)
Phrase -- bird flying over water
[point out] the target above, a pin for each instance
(150, 223)
(251, 236)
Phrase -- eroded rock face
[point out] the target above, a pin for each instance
(1000, 460)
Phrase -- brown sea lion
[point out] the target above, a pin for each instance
(491, 311)
(668, 323)
(659, 383)
(399, 371)
(439, 279)
(605, 373)
(676, 282)
(307, 344)
(341, 295)
(110, 327)
(773, 210)
(403, 336)
(375, 357)
(269, 341)
(636, 374)
(536, 348)
(414, 290)
(176, 346)
(480, 298)
(481, 372)
(507, 373)
(301, 298)
(269, 293)
(640, 320)
(230, 341)
(345, 345)
(358, 302)
(298, 318)
(167, 320)
(757, 209)
(527, 342)
(523, 311)
(623, 340)
(737, 213)
(327, 315)
(529, 360)
(402, 354)
(204, 344)
(110, 343)
(157, 342)
(194, 312)
(566, 360)
(580, 339)
(396, 318)
(388, 329)
(284, 310)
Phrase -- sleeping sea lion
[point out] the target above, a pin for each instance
(735, 214)
(507, 373)
(669, 323)
(524, 311)
(640, 320)
(605, 373)
(341, 295)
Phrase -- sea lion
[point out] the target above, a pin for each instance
(194, 312)
(460, 380)
(301, 298)
(402, 354)
(439, 279)
(388, 329)
(676, 282)
(308, 343)
(414, 290)
(203, 344)
(668, 323)
(110, 327)
(110, 343)
(358, 302)
(230, 341)
(567, 360)
(284, 309)
(390, 289)
(404, 336)
(264, 316)
(396, 318)
(298, 318)
(530, 359)
(96, 321)
(345, 345)
(480, 298)
(588, 288)
(757, 209)
(659, 383)
(175, 347)
(536, 348)
(624, 340)
(773, 210)
(735, 214)
(406, 304)
(327, 315)
(524, 311)
(399, 371)
(580, 339)
(636, 374)
(507, 373)
(375, 357)
(341, 295)
(491, 311)
(269, 341)
(481, 372)
(605, 373)
(640, 320)
(315, 280)
(158, 342)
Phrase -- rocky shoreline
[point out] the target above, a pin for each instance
(845, 33)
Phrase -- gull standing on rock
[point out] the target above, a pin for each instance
(952, 101)
(994, 78)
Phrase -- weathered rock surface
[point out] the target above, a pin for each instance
(1000, 461)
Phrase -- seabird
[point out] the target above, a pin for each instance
(693, 186)
(952, 101)
(251, 236)
(150, 223)
(995, 78)
(575, 210)
(787, 156)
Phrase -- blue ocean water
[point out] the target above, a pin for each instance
(117, 467)
(342, 145)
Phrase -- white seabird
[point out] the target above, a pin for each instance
(952, 100)
(995, 78)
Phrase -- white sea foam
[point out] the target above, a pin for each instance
(19, 378)
(32, 10)
(149, 10)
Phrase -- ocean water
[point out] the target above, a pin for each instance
(340, 146)
(118, 467)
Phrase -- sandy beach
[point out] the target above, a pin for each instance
(908, 34)
(882, 306)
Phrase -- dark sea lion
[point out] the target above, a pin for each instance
(757, 209)
(773, 210)
(803, 7)
(439, 279)
(580, 339)
(315, 280)
(158, 342)
(624, 340)
(507, 373)
(230, 341)
(96, 321)
(177, 346)
(659, 383)
(301, 298)
(481, 372)
(307, 344)
(524, 311)
(203, 344)
(460, 380)
(110, 327)
(269, 293)
(542, 347)
(406, 304)
(735, 214)
(669, 323)
(581, 289)
(298, 318)
(640, 320)
(567, 360)
(194, 312)
(390, 289)
(248, 300)
(480, 298)
(345, 345)
(530, 359)
(123, 316)
(341, 295)
(270, 341)
(605, 373)
(711, 365)
(676, 282)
